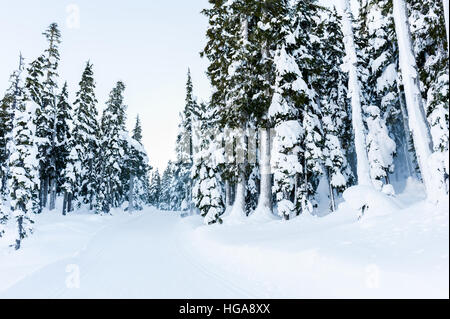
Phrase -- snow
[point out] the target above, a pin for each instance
(399, 249)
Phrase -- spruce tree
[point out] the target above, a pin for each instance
(23, 166)
(14, 97)
(335, 106)
(184, 149)
(114, 147)
(84, 138)
(207, 191)
(155, 189)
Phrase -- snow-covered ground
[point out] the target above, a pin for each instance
(153, 254)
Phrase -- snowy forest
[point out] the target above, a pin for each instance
(51, 146)
(317, 166)
(307, 100)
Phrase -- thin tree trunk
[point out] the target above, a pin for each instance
(130, 194)
(69, 202)
(45, 192)
(64, 210)
(52, 194)
(417, 119)
(332, 199)
(362, 160)
(446, 13)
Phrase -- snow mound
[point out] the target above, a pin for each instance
(373, 202)
(262, 214)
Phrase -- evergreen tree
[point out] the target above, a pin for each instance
(46, 112)
(139, 168)
(23, 166)
(184, 149)
(63, 119)
(14, 97)
(114, 148)
(207, 191)
(84, 139)
(335, 106)
(155, 189)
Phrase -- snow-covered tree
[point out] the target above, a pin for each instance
(431, 174)
(23, 166)
(113, 147)
(335, 105)
(207, 191)
(184, 150)
(155, 189)
(84, 138)
(354, 91)
(138, 188)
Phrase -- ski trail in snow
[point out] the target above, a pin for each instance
(186, 252)
(143, 257)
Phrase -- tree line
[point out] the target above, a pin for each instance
(50, 146)
(330, 97)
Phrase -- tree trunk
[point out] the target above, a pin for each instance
(52, 194)
(64, 210)
(45, 192)
(238, 210)
(332, 199)
(408, 155)
(362, 161)
(227, 194)
(446, 13)
(264, 207)
(417, 119)
(69, 202)
(130, 194)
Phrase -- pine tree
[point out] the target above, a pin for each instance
(379, 90)
(13, 98)
(63, 120)
(8, 105)
(139, 168)
(207, 191)
(335, 105)
(46, 115)
(184, 149)
(23, 166)
(114, 148)
(84, 139)
(155, 189)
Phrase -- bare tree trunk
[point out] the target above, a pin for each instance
(238, 210)
(69, 202)
(332, 199)
(264, 207)
(64, 210)
(362, 161)
(446, 13)
(408, 155)
(417, 119)
(130, 194)
(52, 194)
(45, 192)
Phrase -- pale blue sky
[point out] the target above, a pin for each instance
(148, 44)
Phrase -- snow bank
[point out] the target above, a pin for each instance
(373, 202)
